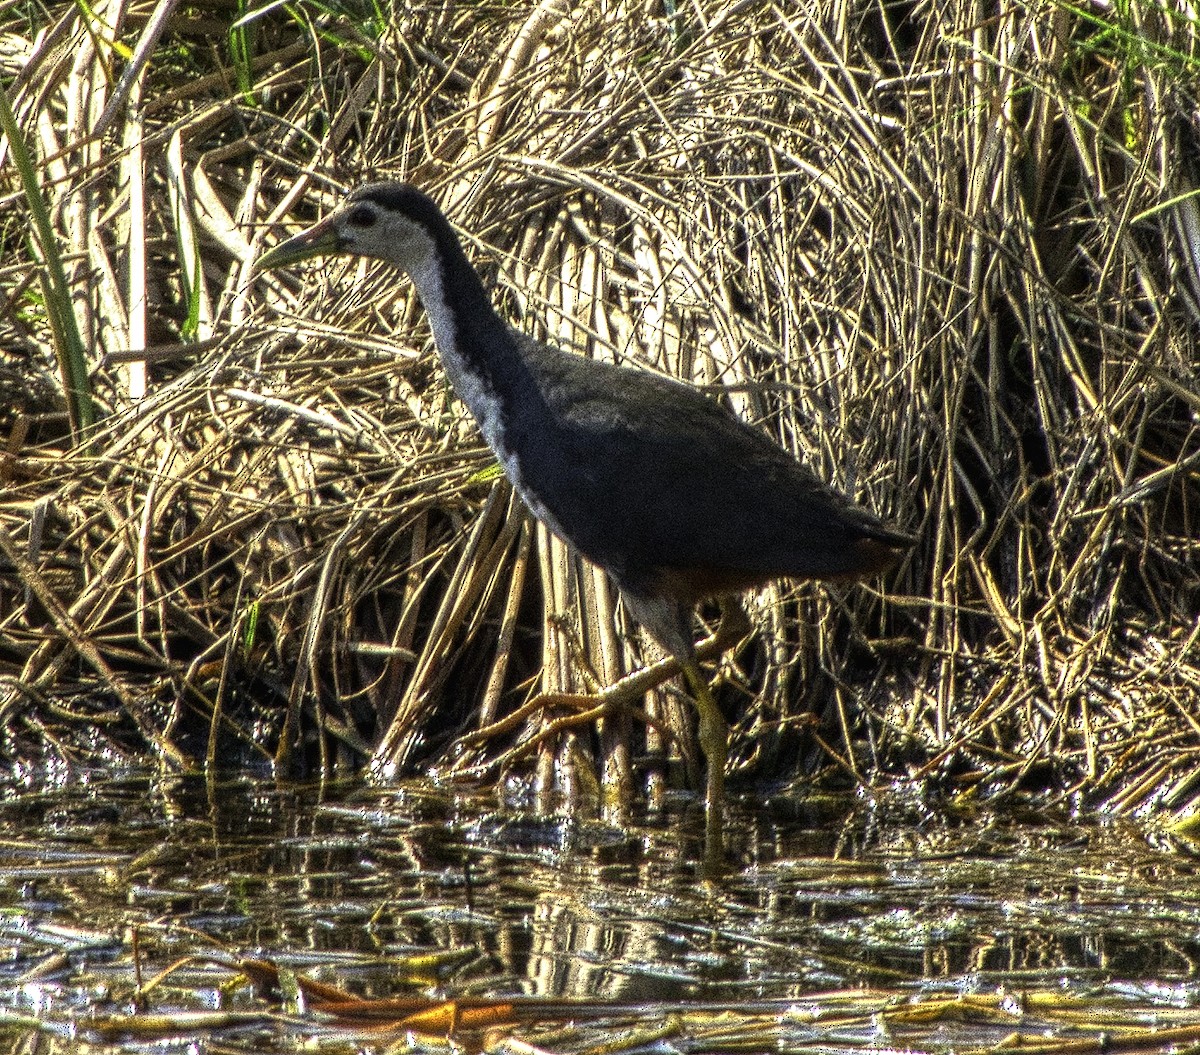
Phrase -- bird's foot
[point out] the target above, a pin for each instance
(586, 709)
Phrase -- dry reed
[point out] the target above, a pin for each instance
(950, 259)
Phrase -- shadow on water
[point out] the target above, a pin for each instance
(844, 924)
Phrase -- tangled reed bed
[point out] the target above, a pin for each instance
(949, 262)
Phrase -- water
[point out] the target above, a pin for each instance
(864, 923)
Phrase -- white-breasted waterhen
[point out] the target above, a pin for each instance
(669, 492)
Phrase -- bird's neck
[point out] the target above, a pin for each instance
(476, 347)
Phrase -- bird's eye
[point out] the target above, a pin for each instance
(361, 217)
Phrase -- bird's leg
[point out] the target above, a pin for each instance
(588, 707)
(622, 692)
(713, 734)
(625, 691)
(712, 730)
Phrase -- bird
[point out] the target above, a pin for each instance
(666, 489)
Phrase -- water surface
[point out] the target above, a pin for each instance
(865, 923)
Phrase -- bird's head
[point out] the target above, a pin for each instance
(387, 221)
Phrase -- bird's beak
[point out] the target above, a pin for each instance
(319, 240)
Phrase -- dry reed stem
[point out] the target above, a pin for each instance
(953, 264)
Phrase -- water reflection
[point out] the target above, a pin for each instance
(351, 882)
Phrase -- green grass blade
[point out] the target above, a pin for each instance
(68, 342)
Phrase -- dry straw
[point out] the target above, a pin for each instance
(952, 260)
